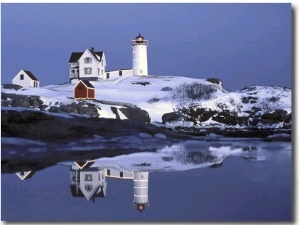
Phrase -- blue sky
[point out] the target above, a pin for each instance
(241, 44)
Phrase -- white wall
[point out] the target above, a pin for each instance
(101, 67)
(139, 59)
(94, 65)
(26, 82)
(97, 180)
(115, 172)
(140, 187)
(115, 73)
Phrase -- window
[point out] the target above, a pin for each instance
(120, 73)
(121, 174)
(98, 71)
(88, 177)
(22, 77)
(108, 172)
(88, 70)
(87, 60)
(88, 187)
(107, 75)
(102, 72)
(102, 63)
(22, 173)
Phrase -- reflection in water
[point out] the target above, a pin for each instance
(237, 190)
(88, 178)
(90, 182)
(140, 186)
(23, 175)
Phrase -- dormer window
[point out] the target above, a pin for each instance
(87, 60)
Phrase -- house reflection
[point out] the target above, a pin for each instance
(87, 182)
(90, 182)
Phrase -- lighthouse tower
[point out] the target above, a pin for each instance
(139, 56)
(140, 192)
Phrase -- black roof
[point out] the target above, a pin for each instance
(87, 83)
(32, 77)
(75, 56)
(140, 36)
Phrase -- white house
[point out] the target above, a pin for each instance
(26, 79)
(92, 183)
(88, 65)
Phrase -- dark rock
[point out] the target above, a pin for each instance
(276, 116)
(226, 117)
(72, 108)
(249, 99)
(141, 83)
(48, 127)
(167, 158)
(35, 101)
(115, 111)
(12, 86)
(77, 108)
(26, 101)
(197, 114)
(167, 89)
(172, 116)
(136, 114)
(204, 114)
(54, 109)
(20, 102)
(214, 81)
(289, 118)
(216, 165)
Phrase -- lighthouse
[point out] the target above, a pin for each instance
(139, 56)
(140, 190)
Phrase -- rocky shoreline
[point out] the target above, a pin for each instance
(36, 119)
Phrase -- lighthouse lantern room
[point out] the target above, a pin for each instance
(139, 56)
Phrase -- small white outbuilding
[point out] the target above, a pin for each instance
(26, 79)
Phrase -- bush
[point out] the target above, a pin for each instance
(166, 89)
(274, 99)
(153, 100)
(193, 91)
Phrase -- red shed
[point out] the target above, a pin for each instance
(84, 90)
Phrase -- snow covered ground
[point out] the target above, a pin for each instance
(193, 154)
(155, 95)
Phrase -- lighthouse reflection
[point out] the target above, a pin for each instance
(91, 182)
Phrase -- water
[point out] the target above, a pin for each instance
(224, 180)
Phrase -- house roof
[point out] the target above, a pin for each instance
(75, 56)
(87, 83)
(32, 77)
(27, 175)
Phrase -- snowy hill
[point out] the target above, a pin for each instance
(171, 101)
